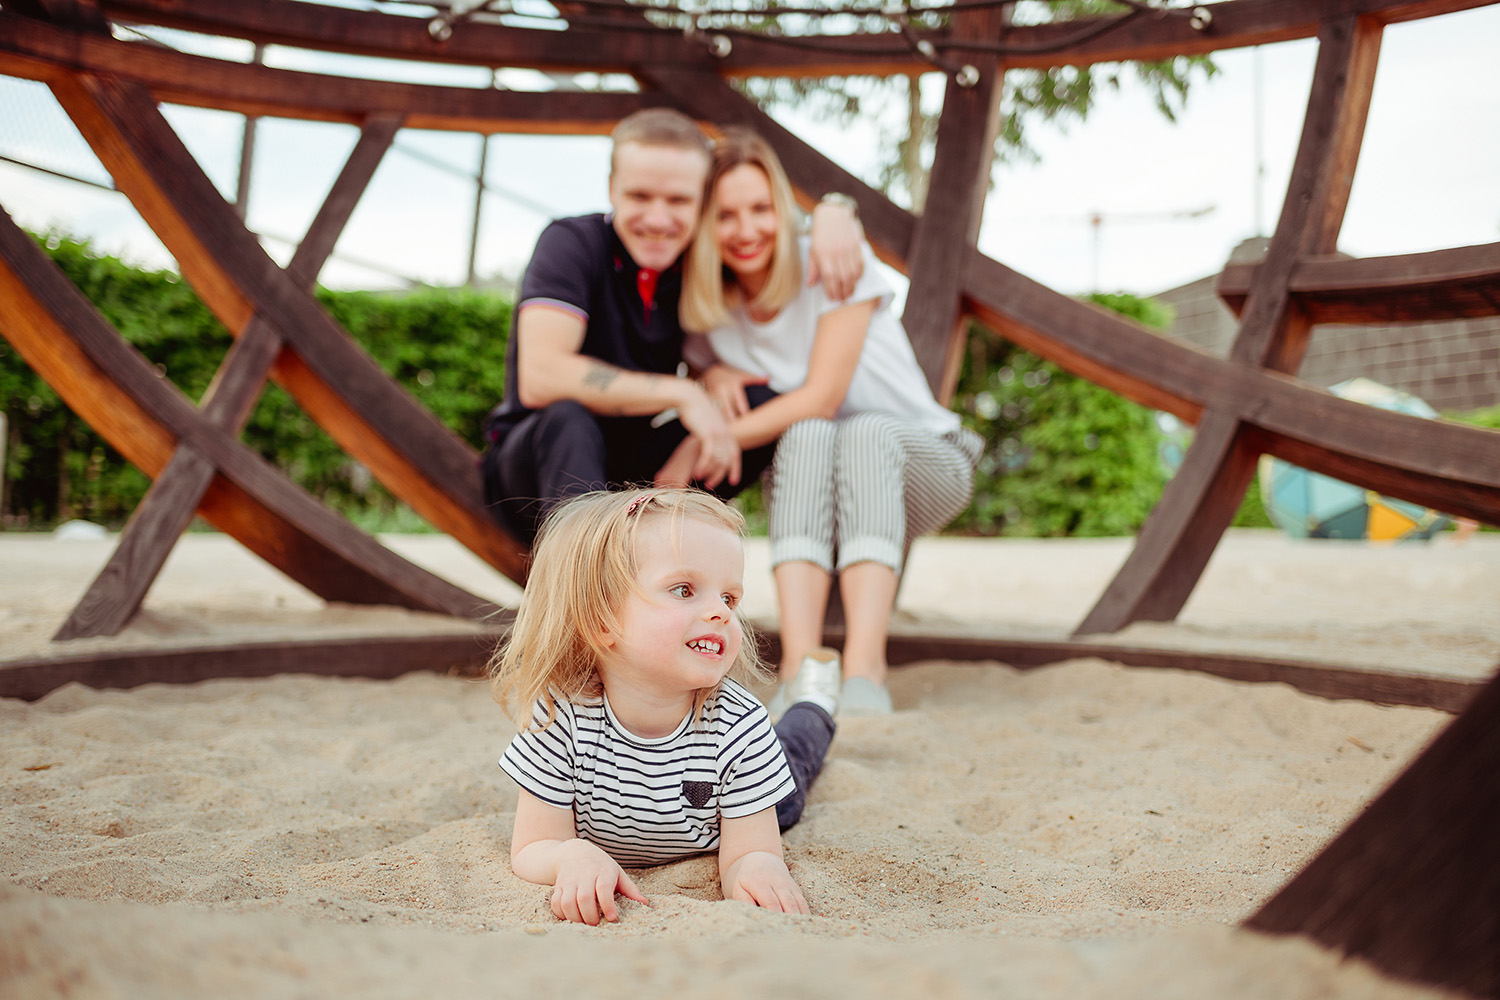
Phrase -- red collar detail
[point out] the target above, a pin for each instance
(645, 283)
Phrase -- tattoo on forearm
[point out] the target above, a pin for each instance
(600, 376)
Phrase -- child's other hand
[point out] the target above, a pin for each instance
(762, 878)
(587, 880)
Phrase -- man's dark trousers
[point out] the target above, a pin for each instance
(564, 449)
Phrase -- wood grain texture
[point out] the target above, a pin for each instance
(948, 230)
(333, 379)
(1457, 283)
(145, 417)
(1413, 884)
(600, 49)
(1179, 536)
(380, 657)
(116, 593)
(384, 656)
(39, 50)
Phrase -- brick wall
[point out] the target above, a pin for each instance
(1453, 365)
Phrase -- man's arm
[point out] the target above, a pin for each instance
(551, 368)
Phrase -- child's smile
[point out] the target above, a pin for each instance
(678, 631)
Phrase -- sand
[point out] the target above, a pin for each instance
(1084, 830)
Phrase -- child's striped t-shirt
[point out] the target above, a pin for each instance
(651, 801)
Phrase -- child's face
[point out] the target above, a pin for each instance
(678, 632)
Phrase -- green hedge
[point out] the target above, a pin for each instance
(446, 347)
(1063, 456)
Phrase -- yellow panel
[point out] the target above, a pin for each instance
(1386, 524)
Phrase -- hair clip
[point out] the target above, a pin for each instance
(635, 504)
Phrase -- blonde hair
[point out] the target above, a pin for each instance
(583, 566)
(659, 127)
(709, 290)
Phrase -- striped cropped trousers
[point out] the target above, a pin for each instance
(861, 488)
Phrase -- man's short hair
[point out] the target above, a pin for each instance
(660, 127)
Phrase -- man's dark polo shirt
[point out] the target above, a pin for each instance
(581, 266)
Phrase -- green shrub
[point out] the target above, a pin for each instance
(1063, 456)
(445, 347)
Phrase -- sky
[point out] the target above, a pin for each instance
(1172, 199)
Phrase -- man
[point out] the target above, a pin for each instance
(593, 395)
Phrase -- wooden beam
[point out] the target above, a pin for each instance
(1272, 333)
(948, 230)
(116, 593)
(1236, 24)
(1459, 283)
(1169, 558)
(110, 385)
(37, 50)
(1186, 524)
(164, 513)
(387, 656)
(1413, 884)
(336, 382)
(374, 656)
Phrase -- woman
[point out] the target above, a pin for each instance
(868, 460)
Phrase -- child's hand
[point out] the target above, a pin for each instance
(587, 880)
(762, 878)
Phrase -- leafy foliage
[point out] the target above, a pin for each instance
(1061, 93)
(445, 347)
(1063, 456)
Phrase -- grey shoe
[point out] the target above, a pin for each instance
(817, 680)
(864, 697)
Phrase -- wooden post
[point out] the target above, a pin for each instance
(1413, 884)
(948, 229)
(1199, 503)
(115, 595)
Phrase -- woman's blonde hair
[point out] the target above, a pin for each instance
(583, 565)
(709, 290)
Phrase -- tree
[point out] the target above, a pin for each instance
(908, 106)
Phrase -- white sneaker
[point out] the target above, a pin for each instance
(818, 680)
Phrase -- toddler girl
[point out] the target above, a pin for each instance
(639, 746)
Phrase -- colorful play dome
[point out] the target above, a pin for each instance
(1309, 505)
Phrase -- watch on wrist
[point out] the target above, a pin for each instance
(842, 200)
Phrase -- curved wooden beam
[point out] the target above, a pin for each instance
(388, 656)
(337, 383)
(1451, 466)
(42, 51)
(1236, 24)
(145, 417)
(1459, 283)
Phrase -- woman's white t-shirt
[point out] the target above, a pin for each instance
(887, 378)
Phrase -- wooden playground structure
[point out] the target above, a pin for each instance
(1413, 884)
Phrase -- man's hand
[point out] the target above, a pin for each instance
(587, 880)
(725, 386)
(762, 878)
(836, 256)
